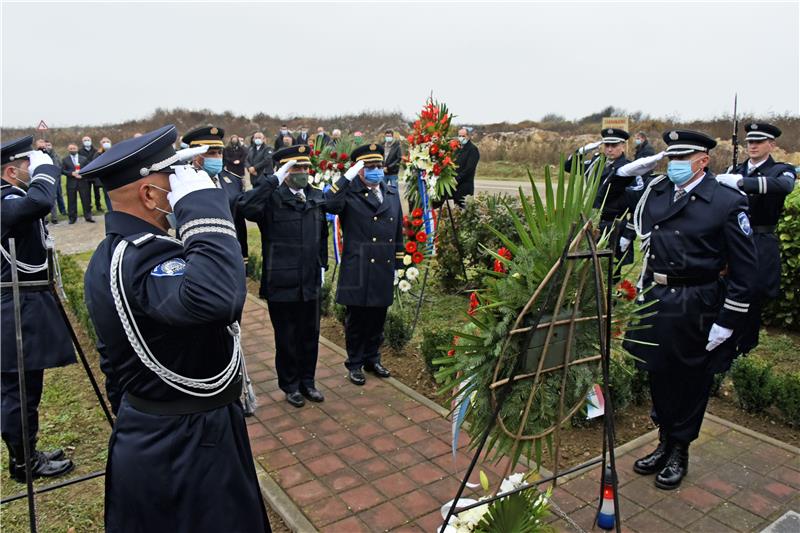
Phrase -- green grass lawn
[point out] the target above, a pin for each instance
(505, 171)
(78, 201)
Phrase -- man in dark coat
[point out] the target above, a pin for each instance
(294, 244)
(234, 156)
(694, 228)
(372, 220)
(71, 166)
(467, 159)
(166, 314)
(259, 159)
(280, 138)
(767, 183)
(302, 137)
(90, 152)
(28, 191)
(394, 156)
(232, 184)
(643, 146)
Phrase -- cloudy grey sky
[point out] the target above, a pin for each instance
(91, 63)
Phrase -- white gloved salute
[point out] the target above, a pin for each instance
(731, 180)
(187, 180)
(624, 244)
(589, 147)
(717, 336)
(37, 158)
(353, 171)
(640, 166)
(284, 170)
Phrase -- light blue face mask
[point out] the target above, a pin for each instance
(679, 172)
(373, 175)
(462, 140)
(171, 219)
(637, 142)
(212, 166)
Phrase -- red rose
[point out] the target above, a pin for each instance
(343, 157)
(416, 222)
(437, 169)
(340, 166)
(411, 247)
(410, 139)
(317, 152)
(421, 236)
(417, 212)
(333, 155)
(417, 258)
(312, 172)
(323, 165)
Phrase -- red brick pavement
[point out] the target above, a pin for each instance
(372, 458)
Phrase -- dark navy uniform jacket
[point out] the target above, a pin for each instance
(46, 340)
(373, 242)
(702, 234)
(611, 189)
(294, 239)
(233, 187)
(767, 187)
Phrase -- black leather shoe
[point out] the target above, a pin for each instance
(42, 467)
(676, 468)
(295, 398)
(357, 376)
(654, 461)
(313, 394)
(380, 370)
(90, 220)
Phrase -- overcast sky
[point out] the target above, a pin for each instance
(92, 63)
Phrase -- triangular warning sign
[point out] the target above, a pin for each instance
(41, 126)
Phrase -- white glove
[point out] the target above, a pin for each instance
(352, 172)
(717, 336)
(640, 166)
(589, 147)
(284, 170)
(187, 180)
(322, 273)
(731, 180)
(623, 244)
(36, 159)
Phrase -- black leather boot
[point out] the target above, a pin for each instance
(676, 468)
(41, 465)
(654, 461)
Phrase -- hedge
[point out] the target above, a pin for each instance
(784, 311)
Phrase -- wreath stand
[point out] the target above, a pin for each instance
(557, 324)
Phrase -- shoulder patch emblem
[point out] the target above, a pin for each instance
(11, 196)
(227, 179)
(170, 267)
(744, 224)
(787, 173)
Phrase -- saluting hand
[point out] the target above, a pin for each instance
(284, 170)
(589, 147)
(731, 180)
(353, 171)
(640, 166)
(36, 158)
(187, 180)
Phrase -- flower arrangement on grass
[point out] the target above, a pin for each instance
(328, 162)
(415, 250)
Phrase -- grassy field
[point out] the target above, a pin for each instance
(78, 201)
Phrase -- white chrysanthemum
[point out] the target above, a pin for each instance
(407, 260)
(412, 273)
(400, 273)
(404, 285)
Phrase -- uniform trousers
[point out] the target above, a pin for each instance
(12, 405)
(296, 326)
(77, 187)
(680, 396)
(363, 331)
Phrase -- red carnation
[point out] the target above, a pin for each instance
(411, 247)
(410, 139)
(312, 172)
(317, 152)
(427, 137)
(504, 252)
(333, 155)
(411, 233)
(453, 144)
(323, 165)
(434, 149)
(417, 258)
(340, 166)
(628, 290)
(343, 157)
(416, 222)
(417, 212)
(451, 353)
(421, 236)
(499, 266)
(437, 169)
(473, 303)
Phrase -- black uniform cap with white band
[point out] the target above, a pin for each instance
(682, 142)
(16, 149)
(368, 153)
(761, 131)
(614, 135)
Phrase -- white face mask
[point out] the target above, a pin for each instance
(87, 144)
(106, 145)
(257, 142)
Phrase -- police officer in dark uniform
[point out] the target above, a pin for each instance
(371, 219)
(166, 314)
(211, 162)
(693, 228)
(611, 191)
(294, 247)
(28, 190)
(767, 183)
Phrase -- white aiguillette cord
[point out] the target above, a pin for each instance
(214, 384)
(643, 237)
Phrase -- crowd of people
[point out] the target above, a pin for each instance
(166, 309)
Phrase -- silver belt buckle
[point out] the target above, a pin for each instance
(661, 279)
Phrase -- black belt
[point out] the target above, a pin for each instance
(763, 229)
(188, 405)
(684, 281)
(35, 288)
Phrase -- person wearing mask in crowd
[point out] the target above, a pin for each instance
(372, 229)
(358, 138)
(767, 183)
(302, 137)
(467, 158)
(27, 193)
(326, 139)
(234, 156)
(179, 458)
(41, 145)
(211, 163)
(259, 159)
(280, 138)
(88, 151)
(294, 244)
(394, 155)
(287, 141)
(71, 166)
(643, 146)
(105, 145)
(336, 134)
